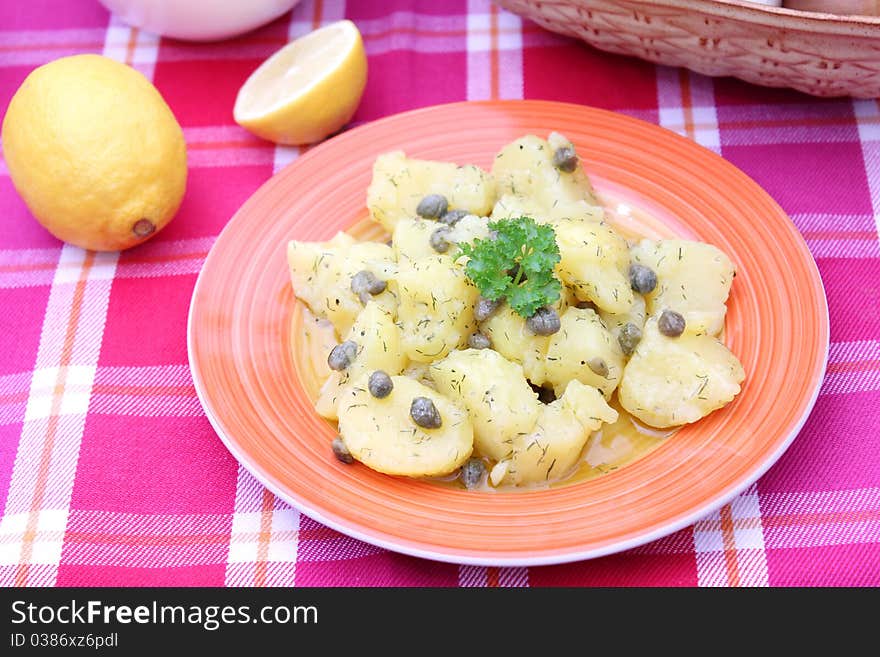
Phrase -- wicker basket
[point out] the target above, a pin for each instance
(820, 54)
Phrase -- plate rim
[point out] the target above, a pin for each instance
(572, 555)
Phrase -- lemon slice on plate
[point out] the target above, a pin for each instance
(308, 89)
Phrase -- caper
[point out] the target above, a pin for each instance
(484, 308)
(546, 395)
(453, 217)
(671, 323)
(341, 451)
(365, 284)
(545, 321)
(472, 473)
(598, 366)
(629, 337)
(424, 413)
(438, 239)
(565, 159)
(479, 341)
(642, 279)
(342, 355)
(433, 206)
(380, 384)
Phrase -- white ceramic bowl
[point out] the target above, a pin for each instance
(198, 20)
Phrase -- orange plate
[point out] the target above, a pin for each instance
(246, 377)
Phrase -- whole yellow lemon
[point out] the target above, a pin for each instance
(95, 152)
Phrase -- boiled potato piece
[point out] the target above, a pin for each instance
(673, 381)
(321, 275)
(693, 279)
(637, 314)
(379, 348)
(513, 207)
(411, 239)
(420, 372)
(509, 336)
(494, 391)
(319, 338)
(399, 183)
(468, 229)
(328, 396)
(436, 307)
(594, 262)
(582, 341)
(553, 447)
(381, 434)
(525, 168)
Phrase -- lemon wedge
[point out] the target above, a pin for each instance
(308, 89)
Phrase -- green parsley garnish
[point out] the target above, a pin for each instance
(517, 264)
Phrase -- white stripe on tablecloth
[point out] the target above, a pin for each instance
(67, 358)
(697, 119)
(58, 398)
(38, 504)
(686, 105)
(279, 567)
(732, 553)
(249, 537)
(132, 46)
(493, 32)
(867, 112)
(472, 576)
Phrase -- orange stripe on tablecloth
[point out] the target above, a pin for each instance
(131, 46)
(854, 366)
(80, 45)
(14, 398)
(794, 519)
(146, 540)
(729, 542)
(319, 534)
(39, 535)
(280, 41)
(141, 391)
(494, 82)
(776, 123)
(821, 518)
(839, 234)
(492, 574)
(804, 122)
(129, 260)
(21, 574)
(396, 31)
(160, 259)
(687, 103)
(264, 539)
(317, 14)
(151, 540)
(30, 266)
(222, 145)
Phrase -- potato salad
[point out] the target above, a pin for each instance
(505, 322)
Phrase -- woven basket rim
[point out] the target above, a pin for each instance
(778, 17)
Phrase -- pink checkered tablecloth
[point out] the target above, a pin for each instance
(110, 473)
